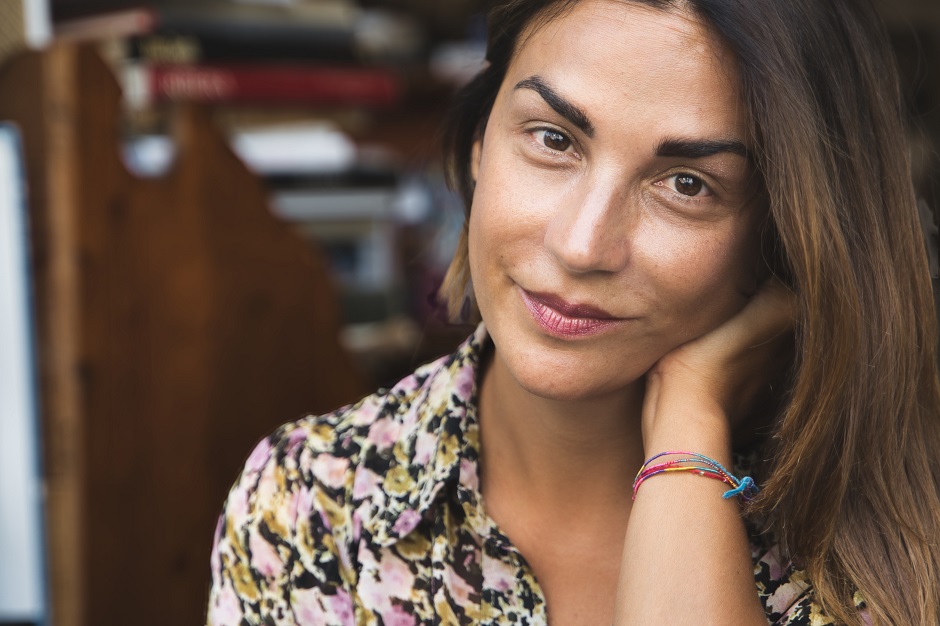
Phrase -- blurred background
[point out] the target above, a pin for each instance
(215, 217)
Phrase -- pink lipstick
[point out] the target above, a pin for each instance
(561, 318)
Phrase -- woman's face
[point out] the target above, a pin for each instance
(613, 216)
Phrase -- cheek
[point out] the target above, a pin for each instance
(488, 235)
(480, 231)
(502, 226)
(701, 274)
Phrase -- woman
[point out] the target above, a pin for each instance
(642, 178)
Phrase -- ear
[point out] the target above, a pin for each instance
(476, 154)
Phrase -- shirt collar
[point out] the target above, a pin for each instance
(434, 412)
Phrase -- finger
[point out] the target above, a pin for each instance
(770, 313)
(777, 305)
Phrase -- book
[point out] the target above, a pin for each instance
(289, 156)
(88, 21)
(259, 83)
(308, 150)
(107, 25)
(356, 175)
(327, 30)
(336, 46)
(345, 204)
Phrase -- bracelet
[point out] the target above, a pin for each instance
(700, 465)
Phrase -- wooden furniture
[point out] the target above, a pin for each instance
(179, 322)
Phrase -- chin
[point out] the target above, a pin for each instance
(571, 382)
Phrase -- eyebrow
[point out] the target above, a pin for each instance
(700, 148)
(561, 106)
(671, 147)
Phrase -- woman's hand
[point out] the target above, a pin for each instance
(686, 557)
(718, 379)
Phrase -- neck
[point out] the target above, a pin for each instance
(556, 452)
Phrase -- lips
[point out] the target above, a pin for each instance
(561, 318)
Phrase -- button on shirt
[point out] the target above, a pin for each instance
(372, 515)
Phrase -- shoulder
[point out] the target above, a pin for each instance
(327, 453)
(322, 444)
(313, 489)
(392, 427)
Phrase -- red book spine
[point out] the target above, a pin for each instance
(268, 85)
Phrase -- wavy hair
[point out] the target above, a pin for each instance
(853, 478)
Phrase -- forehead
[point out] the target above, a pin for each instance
(620, 55)
(619, 21)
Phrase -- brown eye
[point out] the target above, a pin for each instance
(689, 185)
(555, 140)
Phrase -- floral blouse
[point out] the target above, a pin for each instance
(372, 515)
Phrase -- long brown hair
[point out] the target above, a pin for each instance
(853, 488)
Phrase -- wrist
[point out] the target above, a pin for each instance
(677, 420)
(716, 445)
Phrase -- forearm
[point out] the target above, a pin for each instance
(686, 557)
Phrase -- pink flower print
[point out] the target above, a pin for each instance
(772, 560)
(469, 477)
(396, 616)
(224, 609)
(301, 504)
(215, 560)
(268, 491)
(425, 446)
(460, 591)
(267, 488)
(366, 484)
(331, 470)
(384, 433)
(340, 605)
(264, 558)
(356, 526)
(259, 456)
(366, 412)
(296, 436)
(406, 522)
(325, 520)
(397, 579)
(373, 595)
(406, 385)
(785, 597)
(464, 381)
(364, 514)
(308, 607)
(237, 506)
(498, 575)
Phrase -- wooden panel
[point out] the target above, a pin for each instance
(198, 323)
(35, 93)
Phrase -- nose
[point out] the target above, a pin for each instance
(590, 230)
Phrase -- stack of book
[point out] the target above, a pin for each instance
(290, 76)
(317, 53)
